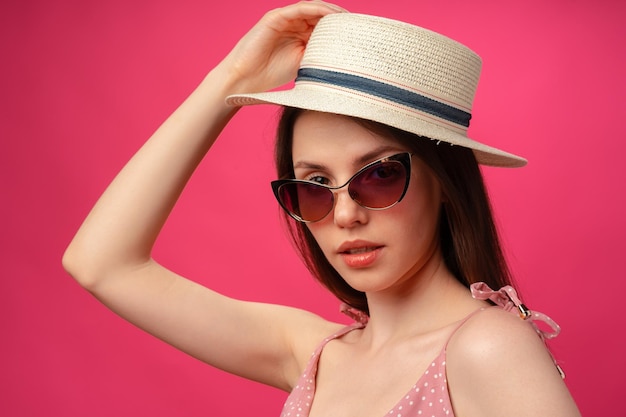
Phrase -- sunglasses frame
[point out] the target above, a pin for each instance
(403, 157)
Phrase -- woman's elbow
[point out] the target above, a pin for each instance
(77, 264)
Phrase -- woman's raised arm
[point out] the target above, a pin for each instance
(111, 252)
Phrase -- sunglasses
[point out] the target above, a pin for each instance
(378, 185)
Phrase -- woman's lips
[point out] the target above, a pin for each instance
(359, 255)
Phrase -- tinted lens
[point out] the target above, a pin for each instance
(377, 186)
(380, 186)
(309, 202)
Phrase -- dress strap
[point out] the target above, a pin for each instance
(354, 313)
(460, 324)
(311, 367)
(336, 335)
(300, 399)
(507, 298)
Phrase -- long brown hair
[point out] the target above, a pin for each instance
(467, 232)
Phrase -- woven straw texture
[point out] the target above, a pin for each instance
(397, 54)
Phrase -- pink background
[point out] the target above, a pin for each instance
(84, 83)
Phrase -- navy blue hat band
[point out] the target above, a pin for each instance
(387, 92)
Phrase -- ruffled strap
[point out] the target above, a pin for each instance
(354, 313)
(507, 298)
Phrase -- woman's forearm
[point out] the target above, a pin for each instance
(121, 229)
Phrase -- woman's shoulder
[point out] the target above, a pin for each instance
(494, 327)
(494, 337)
(497, 360)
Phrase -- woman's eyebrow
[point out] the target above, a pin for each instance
(308, 165)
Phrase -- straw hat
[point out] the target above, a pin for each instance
(392, 73)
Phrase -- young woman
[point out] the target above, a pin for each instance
(388, 215)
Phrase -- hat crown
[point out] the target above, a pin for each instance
(390, 72)
(396, 53)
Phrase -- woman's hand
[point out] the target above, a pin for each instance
(269, 54)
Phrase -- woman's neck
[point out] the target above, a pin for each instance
(429, 300)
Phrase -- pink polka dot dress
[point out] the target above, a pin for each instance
(429, 397)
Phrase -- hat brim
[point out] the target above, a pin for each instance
(334, 100)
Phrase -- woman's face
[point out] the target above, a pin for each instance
(373, 250)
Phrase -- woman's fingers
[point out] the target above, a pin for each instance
(269, 54)
(306, 10)
(299, 17)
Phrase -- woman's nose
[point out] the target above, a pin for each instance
(347, 212)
